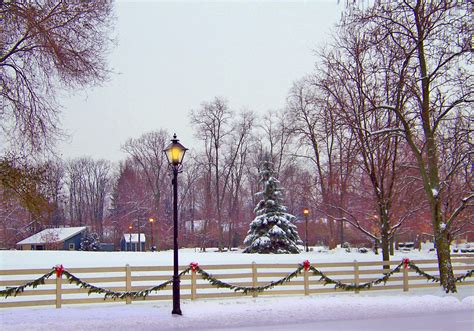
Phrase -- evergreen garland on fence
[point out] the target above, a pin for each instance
(437, 279)
(463, 277)
(351, 287)
(420, 272)
(247, 289)
(14, 291)
(118, 295)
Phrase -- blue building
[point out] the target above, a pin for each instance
(54, 239)
(130, 242)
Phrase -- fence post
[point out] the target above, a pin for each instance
(356, 275)
(306, 281)
(193, 285)
(128, 282)
(59, 281)
(254, 278)
(405, 279)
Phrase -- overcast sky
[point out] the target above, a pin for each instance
(172, 56)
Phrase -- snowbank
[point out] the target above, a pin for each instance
(246, 313)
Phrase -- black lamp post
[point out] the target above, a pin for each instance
(175, 155)
(151, 220)
(306, 213)
(130, 243)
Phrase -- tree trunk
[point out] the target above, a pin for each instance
(385, 243)
(443, 251)
(392, 244)
(444, 264)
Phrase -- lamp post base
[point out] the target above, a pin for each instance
(176, 297)
(177, 312)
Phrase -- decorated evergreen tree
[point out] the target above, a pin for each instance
(272, 231)
(90, 242)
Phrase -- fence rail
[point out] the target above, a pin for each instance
(128, 278)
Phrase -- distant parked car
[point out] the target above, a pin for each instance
(406, 246)
(464, 248)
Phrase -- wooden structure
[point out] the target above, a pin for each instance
(54, 239)
(133, 242)
(58, 292)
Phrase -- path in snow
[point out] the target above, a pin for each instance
(341, 312)
(445, 321)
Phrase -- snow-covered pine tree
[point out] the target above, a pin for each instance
(272, 231)
(90, 242)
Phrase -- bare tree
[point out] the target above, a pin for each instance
(277, 139)
(88, 184)
(353, 83)
(52, 189)
(236, 154)
(46, 45)
(212, 126)
(330, 146)
(430, 43)
(147, 152)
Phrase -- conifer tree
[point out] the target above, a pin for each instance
(90, 242)
(272, 231)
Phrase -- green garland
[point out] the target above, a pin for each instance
(247, 289)
(420, 272)
(14, 291)
(351, 287)
(118, 295)
(437, 279)
(463, 277)
(19, 289)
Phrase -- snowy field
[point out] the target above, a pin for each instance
(42, 259)
(422, 309)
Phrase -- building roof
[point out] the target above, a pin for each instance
(126, 237)
(52, 235)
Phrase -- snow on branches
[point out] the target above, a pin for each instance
(272, 231)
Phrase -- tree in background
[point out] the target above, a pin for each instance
(429, 45)
(329, 146)
(88, 184)
(90, 242)
(47, 45)
(272, 231)
(146, 152)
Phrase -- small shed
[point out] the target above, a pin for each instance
(54, 239)
(130, 242)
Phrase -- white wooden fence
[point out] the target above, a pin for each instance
(59, 292)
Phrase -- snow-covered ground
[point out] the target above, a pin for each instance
(423, 309)
(325, 312)
(47, 259)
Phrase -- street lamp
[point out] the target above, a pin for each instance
(151, 220)
(175, 155)
(306, 213)
(130, 241)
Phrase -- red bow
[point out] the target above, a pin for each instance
(306, 265)
(59, 270)
(405, 262)
(194, 266)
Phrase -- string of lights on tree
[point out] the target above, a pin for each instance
(194, 267)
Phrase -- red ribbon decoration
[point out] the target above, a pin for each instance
(59, 270)
(405, 262)
(193, 266)
(306, 265)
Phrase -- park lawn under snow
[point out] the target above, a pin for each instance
(46, 259)
(389, 311)
(429, 309)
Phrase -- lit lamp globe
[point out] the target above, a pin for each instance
(175, 152)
